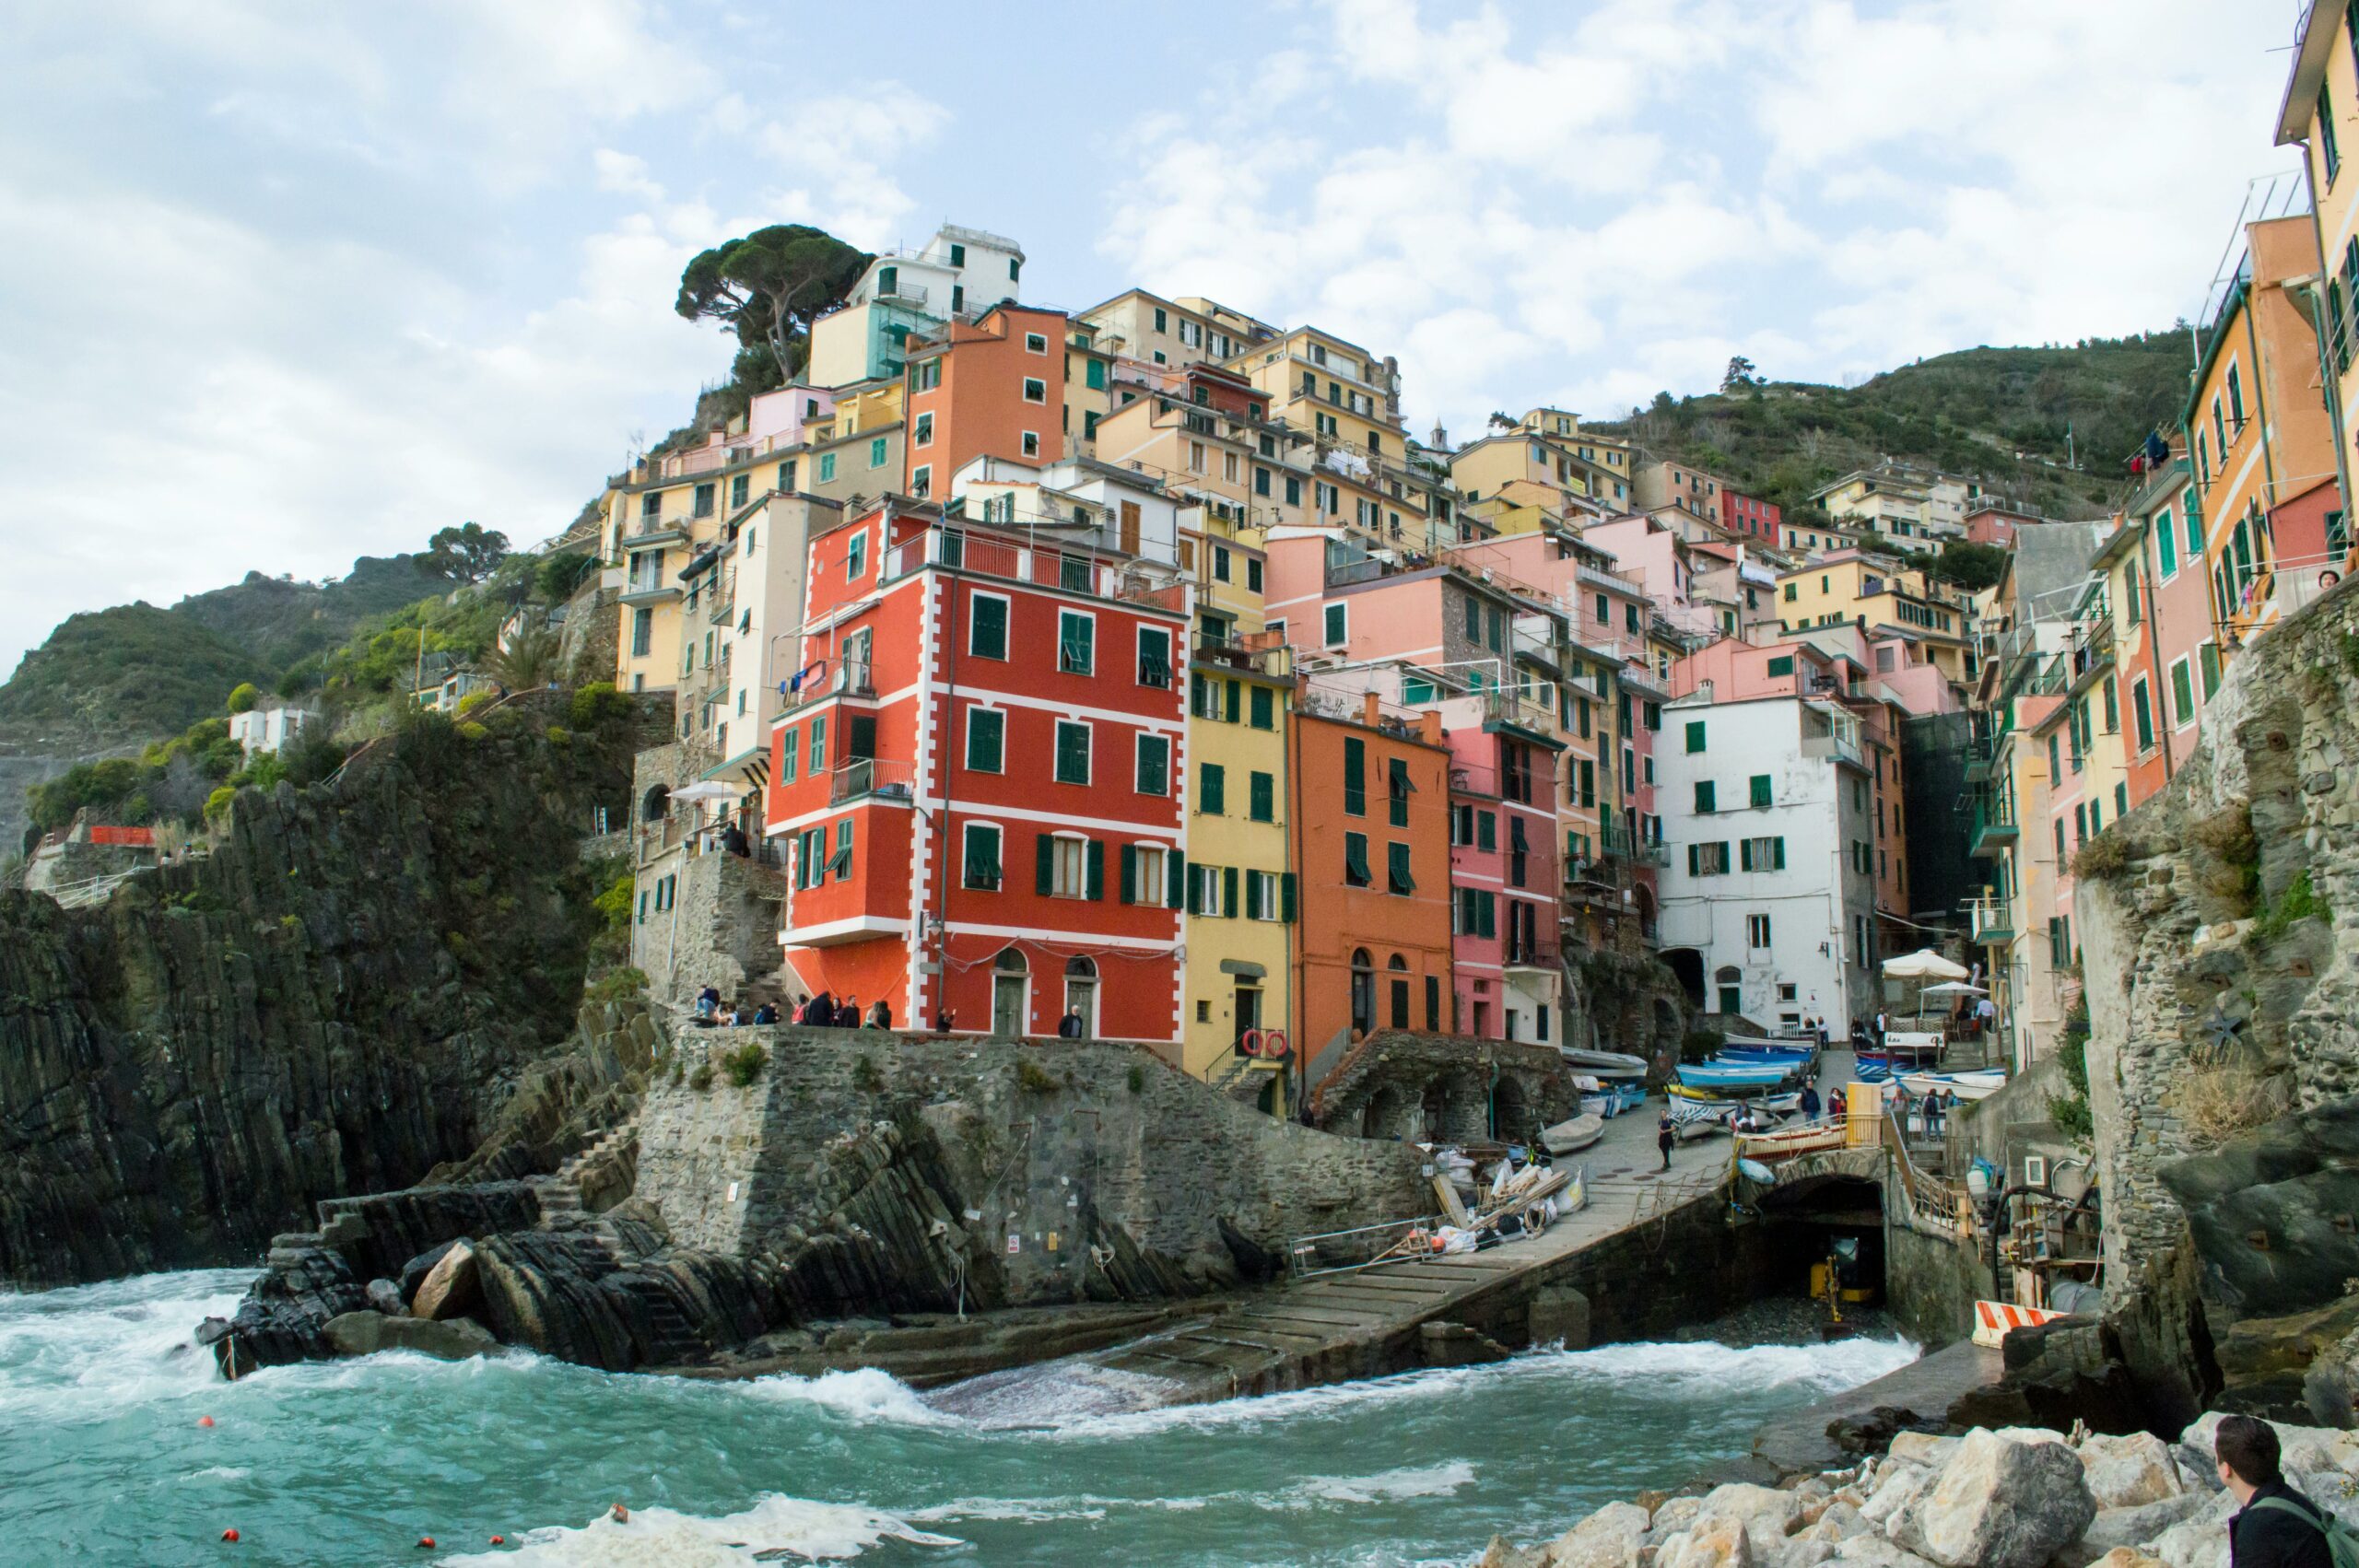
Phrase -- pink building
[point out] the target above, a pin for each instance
(1646, 548)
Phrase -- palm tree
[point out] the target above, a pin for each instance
(529, 661)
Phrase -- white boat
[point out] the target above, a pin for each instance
(1692, 1120)
(1571, 1137)
(1965, 1085)
(1604, 1064)
(1808, 1138)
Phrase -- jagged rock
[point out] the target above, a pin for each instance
(1608, 1538)
(365, 1333)
(1798, 1553)
(414, 1272)
(1896, 1486)
(450, 1288)
(1923, 1447)
(2300, 1448)
(1709, 1543)
(1875, 1551)
(1767, 1514)
(1872, 1431)
(1998, 1503)
(2200, 1540)
(2330, 1384)
(386, 1297)
(1504, 1553)
(2124, 1472)
(2142, 1526)
(1840, 1521)
(1672, 1517)
(2125, 1557)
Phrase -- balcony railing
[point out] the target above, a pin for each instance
(1993, 824)
(1504, 707)
(1071, 572)
(1259, 654)
(1993, 920)
(1541, 952)
(856, 776)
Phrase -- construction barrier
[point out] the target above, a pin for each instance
(1993, 1320)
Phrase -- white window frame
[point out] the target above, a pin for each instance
(1007, 626)
(921, 480)
(1324, 612)
(2194, 692)
(1032, 381)
(856, 555)
(1071, 854)
(1089, 773)
(1261, 895)
(1036, 343)
(967, 739)
(1064, 615)
(1208, 891)
(1139, 741)
(1032, 443)
(1757, 925)
(921, 432)
(1170, 653)
(1150, 870)
(996, 831)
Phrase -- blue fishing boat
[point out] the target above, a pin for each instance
(1726, 1076)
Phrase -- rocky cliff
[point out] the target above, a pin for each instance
(2220, 935)
(337, 999)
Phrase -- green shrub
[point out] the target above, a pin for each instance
(475, 700)
(2071, 1115)
(1138, 1080)
(615, 903)
(596, 704)
(745, 1064)
(2106, 855)
(559, 735)
(616, 985)
(216, 804)
(242, 697)
(473, 730)
(702, 1079)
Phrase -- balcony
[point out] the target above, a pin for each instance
(653, 534)
(1259, 654)
(1541, 954)
(1993, 826)
(1075, 572)
(649, 588)
(1518, 711)
(862, 777)
(1993, 922)
(1838, 742)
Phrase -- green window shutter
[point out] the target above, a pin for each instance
(1334, 626)
(1262, 805)
(1072, 754)
(1285, 896)
(1696, 734)
(1487, 907)
(1761, 789)
(1196, 689)
(1396, 869)
(1175, 878)
(1695, 860)
(1252, 893)
(1044, 863)
(1076, 645)
(1744, 855)
(1781, 665)
(1228, 890)
(2209, 655)
(1212, 792)
(1265, 709)
(1397, 770)
(1355, 776)
(2144, 709)
(1777, 853)
(1195, 890)
(1130, 874)
(1486, 830)
(1095, 857)
(988, 629)
(1704, 793)
(1355, 859)
(1236, 702)
(1154, 765)
(986, 739)
(1725, 859)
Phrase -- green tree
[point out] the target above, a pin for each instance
(1740, 375)
(1970, 566)
(768, 286)
(560, 573)
(242, 697)
(529, 660)
(468, 552)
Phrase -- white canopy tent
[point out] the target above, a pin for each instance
(1924, 965)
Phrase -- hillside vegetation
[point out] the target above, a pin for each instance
(1997, 415)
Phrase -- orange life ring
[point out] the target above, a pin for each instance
(1250, 1043)
(1274, 1045)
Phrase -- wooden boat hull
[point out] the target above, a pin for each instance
(1571, 1137)
(1809, 1139)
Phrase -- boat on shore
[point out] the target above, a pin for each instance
(1572, 1137)
(1736, 1076)
(1603, 1064)
(1971, 1085)
(1809, 1138)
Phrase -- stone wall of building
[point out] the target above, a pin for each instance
(720, 926)
(891, 1172)
(2220, 938)
(1446, 1087)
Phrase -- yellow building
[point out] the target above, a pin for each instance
(1238, 959)
(2321, 94)
(1157, 331)
(1886, 599)
(1610, 454)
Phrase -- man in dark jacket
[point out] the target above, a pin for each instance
(2276, 1526)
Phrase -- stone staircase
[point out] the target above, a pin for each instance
(560, 1193)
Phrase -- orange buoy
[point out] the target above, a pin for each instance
(426, 1543)
(231, 1536)
(205, 1420)
(500, 1540)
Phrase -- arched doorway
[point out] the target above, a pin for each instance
(1363, 992)
(656, 804)
(1510, 1112)
(1011, 993)
(1081, 994)
(1686, 966)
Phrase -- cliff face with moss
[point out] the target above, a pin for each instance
(2220, 939)
(335, 999)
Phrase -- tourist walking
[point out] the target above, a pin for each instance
(1837, 1102)
(2275, 1526)
(1663, 1139)
(1809, 1103)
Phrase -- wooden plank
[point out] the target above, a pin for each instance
(1450, 1201)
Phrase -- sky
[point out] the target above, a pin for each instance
(282, 285)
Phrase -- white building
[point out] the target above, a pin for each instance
(1118, 510)
(960, 272)
(269, 729)
(1769, 896)
(741, 630)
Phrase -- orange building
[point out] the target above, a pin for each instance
(992, 387)
(1372, 861)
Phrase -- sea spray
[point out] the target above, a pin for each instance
(351, 1463)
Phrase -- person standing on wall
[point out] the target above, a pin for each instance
(1663, 1139)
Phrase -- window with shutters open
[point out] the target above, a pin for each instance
(1077, 643)
(1069, 868)
(1356, 867)
(1397, 878)
(1154, 656)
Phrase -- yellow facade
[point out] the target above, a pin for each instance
(1848, 588)
(1238, 961)
(2321, 96)
(1333, 388)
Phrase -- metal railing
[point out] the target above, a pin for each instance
(1045, 566)
(1992, 919)
(870, 776)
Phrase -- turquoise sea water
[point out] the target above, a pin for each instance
(351, 1463)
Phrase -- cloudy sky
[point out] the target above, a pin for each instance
(285, 284)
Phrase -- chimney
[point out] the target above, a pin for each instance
(1430, 726)
(1370, 713)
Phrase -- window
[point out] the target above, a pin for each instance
(922, 432)
(1220, 563)
(1760, 794)
(2142, 709)
(2165, 545)
(2112, 706)
(840, 867)
(856, 555)
(2182, 696)
(1067, 862)
(1035, 389)
(1694, 736)
(1764, 854)
(877, 453)
(986, 739)
(1077, 643)
(1486, 830)
(1212, 789)
(1093, 375)
(739, 489)
(921, 481)
(810, 860)
(1355, 871)
(1032, 443)
(1073, 753)
(1154, 765)
(1355, 776)
(987, 626)
(1705, 793)
(1477, 913)
(1707, 860)
(1398, 790)
(1781, 665)
(1396, 869)
(2328, 150)
(1262, 902)
(1155, 656)
(827, 467)
(642, 632)
(817, 762)
(929, 375)
(1143, 874)
(704, 500)
(1264, 708)
(1035, 344)
(1261, 797)
(2208, 655)
(1757, 931)
(1337, 625)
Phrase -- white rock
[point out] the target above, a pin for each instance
(1607, 1538)
(1798, 1553)
(2299, 1447)
(2029, 1434)
(1998, 1503)
(1875, 1552)
(2128, 1472)
(1767, 1515)
(2124, 1557)
(1672, 1518)
(2200, 1540)
(1896, 1489)
(1713, 1543)
(1840, 1521)
(2139, 1527)
(1923, 1447)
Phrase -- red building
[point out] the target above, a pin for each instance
(993, 387)
(1750, 516)
(980, 776)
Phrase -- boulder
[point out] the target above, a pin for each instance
(1840, 1523)
(1875, 1552)
(1896, 1487)
(1923, 1447)
(2128, 1472)
(1767, 1515)
(1798, 1553)
(1711, 1543)
(2330, 1384)
(1672, 1517)
(1871, 1430)
(1607, 1538)
(2200, 1540)
(449, 1288)
(414, 1272)
(386, 1297)
(1998, 1503)
(2299, 1447)
(2125, 1557)
(1504, 1553)
(2030, 1434)
(2140, 1527)
(365, 1333)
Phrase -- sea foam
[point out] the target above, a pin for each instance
(662, 1537)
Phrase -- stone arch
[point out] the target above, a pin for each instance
(656, 804)
(1511, 1110)
(1386, 1115)
(1686, 967)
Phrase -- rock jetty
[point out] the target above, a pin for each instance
(2008, 1497)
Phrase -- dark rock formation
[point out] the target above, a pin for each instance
(333, 1002)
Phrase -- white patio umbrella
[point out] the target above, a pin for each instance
(1924, 965)
(710, 789)
(1953, 988)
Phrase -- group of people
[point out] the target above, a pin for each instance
(712, 1013)
(824, 1011)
